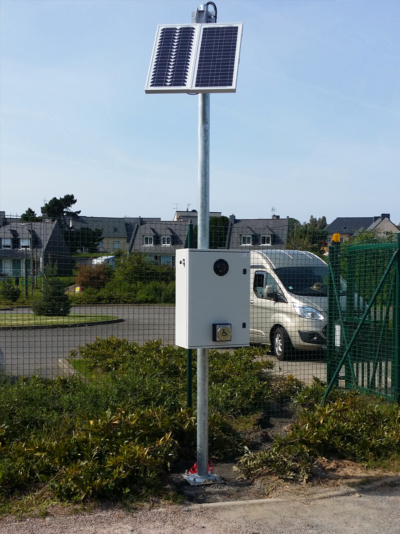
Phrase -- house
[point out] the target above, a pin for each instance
(30, 245)
(117, 231)
(256, 234)
(350, 226)
(159, 239)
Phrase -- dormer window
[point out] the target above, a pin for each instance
(344, 228)
(148, 240)
(6, 242)
(166, 240)
(245, 240)
(266, 240)
(25, 242)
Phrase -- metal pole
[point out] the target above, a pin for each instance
(43, 223)
(31, 243)
(189, 351)
(203, 244)
(26, 274)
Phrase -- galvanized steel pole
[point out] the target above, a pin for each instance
(203, 244)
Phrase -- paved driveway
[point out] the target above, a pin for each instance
(25, 352)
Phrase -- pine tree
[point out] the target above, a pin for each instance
(9, 292)
(53, 301)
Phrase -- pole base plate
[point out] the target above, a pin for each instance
(196, 480)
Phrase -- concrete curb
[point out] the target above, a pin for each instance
(45, 327)
(356, 491)
(66, 367)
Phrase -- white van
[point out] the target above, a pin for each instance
(288, 300)
(104, 260)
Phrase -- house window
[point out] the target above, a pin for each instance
(116, 245)
(166, 260)
(166, 240)
(7, 242)
(148, 240)
(1, 267)
(245, 240)
(329, 239)
(115, 229)
(25, 242)
(265, 240)
(344, 228)
(100, 246)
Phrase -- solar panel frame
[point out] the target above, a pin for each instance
(193, 61)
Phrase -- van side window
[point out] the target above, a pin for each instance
(261, 280)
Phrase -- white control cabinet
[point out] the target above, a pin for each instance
(212, 298)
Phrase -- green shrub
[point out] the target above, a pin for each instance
(53, 301)
(9, 292)
(116, 292)
(350, 425)
(117, 434)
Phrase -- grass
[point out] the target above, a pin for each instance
(27, 319)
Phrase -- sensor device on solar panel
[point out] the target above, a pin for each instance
(212, 298)
(195, 58)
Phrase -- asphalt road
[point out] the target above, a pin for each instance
(27, 352)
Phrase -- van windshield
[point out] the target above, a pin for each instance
(311, 281)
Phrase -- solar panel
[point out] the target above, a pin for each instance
(198, 58)
(216, 65)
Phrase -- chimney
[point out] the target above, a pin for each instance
(2, 218)
(232, 219)
(276, 216)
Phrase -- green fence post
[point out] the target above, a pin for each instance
(396, 317)
(333, 281)
(189, 351)
(350, 319)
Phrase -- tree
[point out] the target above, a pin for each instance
(56, 208)
(9, 292)
(30, 216)
(137, 267)
(93, 275)
(217, 233)
(83, 239)
(53, 302)
(310, 236)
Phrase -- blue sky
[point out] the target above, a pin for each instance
(314, 127)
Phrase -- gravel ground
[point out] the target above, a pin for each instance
(369, 512)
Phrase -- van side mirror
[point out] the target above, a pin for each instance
(270, 292)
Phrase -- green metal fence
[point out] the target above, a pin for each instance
(363, 331)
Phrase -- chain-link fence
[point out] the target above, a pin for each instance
(87, 344)
(66, 283)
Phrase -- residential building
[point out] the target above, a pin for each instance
(24, 246)
(117, 231)
(159, 239)
(351, 226)
(257, 234)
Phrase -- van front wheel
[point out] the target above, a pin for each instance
(283, 347)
